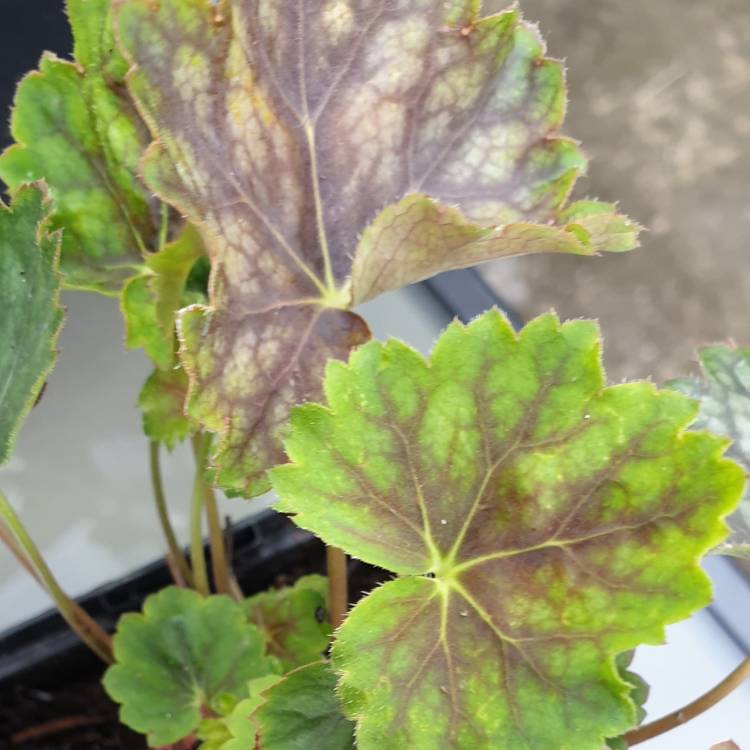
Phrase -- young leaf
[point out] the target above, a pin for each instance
(724, 397)
(288, 131)
(294, 621)
(541, 524)
(76, 128)
(302, 712)
(235, 729)
(179, 656)
(162, 402)
(150, 301)
(31, 318)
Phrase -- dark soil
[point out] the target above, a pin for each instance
(59, 716)
(53, 710)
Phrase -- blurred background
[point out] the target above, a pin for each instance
(660, 98)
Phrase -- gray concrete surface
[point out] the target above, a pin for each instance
(660, 98)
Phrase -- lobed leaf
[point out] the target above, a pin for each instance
(302, 712)
(540, 523)
(179, 656)
(724, 396)
(75, 127)
(331, 151)
(32, 316)
(294, 621)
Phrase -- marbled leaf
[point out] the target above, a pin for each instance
(76, 127)
(331, 150)
(177, 657)
(724, 396)
(31, 317)
(293, 620)
(540, 524)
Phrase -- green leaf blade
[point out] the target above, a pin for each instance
(162, 403)
(32, 317)
(356, 149)
(76, 128)
(150, 302)
(542, 525)
(177, 657)
(294, 621)
(302, 711)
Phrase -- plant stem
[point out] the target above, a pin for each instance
(164, 227)
(175, 551)
(197, 557)
(697, 707)
(338, 593)
(10, 542)
(23, 547)
(219, 563)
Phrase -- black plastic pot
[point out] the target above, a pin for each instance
(265, 548)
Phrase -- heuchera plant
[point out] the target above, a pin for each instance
(242, 174)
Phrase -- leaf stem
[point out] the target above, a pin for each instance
(163, 226)
(175, 551)
(697, 707)
(338, 593)
(219, 562)
(10, 542)
(197, 556)
(23, 547)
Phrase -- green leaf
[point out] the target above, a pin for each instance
(150, 301)
(76, 127)
(31, 318)
(639, 692)
(162, 402)
(541, 524)
(330, 152)
(724, 396)
(302, 712)
(179, 656)
(235, 730)
(294, 621)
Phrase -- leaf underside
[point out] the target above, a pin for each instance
(294, 621)
(162, 401)
(541, 524)
(724, 396)
(330, 151)
(302, 712)
(179, 656)
(76, 127)
(31, 317)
